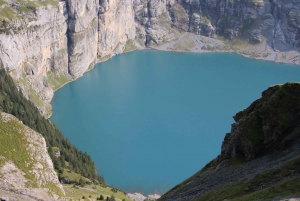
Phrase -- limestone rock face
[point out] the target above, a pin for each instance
(31, 48)
(53, 42)
(154, 16)
(82, 34)
(116, 27)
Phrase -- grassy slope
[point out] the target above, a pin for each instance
(89, 191)
(287, 182)
(22, 8)
(14, 148)
(92, 191)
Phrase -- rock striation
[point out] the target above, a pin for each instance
(45, 44)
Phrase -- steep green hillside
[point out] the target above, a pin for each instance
(260, 157)
(24, 161)
(12, 101)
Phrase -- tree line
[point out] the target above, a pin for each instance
(12, 101)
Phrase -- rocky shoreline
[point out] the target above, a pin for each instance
(141, 197)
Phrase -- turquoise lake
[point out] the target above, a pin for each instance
(151, 119)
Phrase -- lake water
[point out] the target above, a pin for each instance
(151, 119)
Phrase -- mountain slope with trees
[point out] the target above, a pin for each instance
(13, 102)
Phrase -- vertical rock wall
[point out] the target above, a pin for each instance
(116, 26)
(82, 35)
(45, 44)
(33, 45)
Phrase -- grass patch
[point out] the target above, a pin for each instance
(14, 148)
(285, 188)
(26, 9)
(244, 190)
(24, 6)
(53, 188)
(105, 58)
(34, 97)
(2, 2)
(71, 176)
(91, 66)
(7, 13)
(129, 46)
(236, 192)
(56, 81)
(92, 191)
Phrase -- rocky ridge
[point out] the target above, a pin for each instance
(26, 170)
(260, 153)
(45, 44)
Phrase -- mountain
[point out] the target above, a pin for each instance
(45, 44)
(259, 158)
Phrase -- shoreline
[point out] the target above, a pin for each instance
(197, 48)
(150, 50)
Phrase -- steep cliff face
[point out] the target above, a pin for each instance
(116, 27)
(82, 35)
(154, 17)
(32, 43)
(45, 44)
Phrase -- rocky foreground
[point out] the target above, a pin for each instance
(26, 169)
(259, 158)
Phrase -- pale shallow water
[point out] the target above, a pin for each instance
(151, 119)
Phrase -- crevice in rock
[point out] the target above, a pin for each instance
(148, 24)
(273, 11)
(69, 42)
(297, 39)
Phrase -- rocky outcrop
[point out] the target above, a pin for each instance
(45, 44)
(261, 151)
(26, 169)
(141, 197)
(268, 124)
